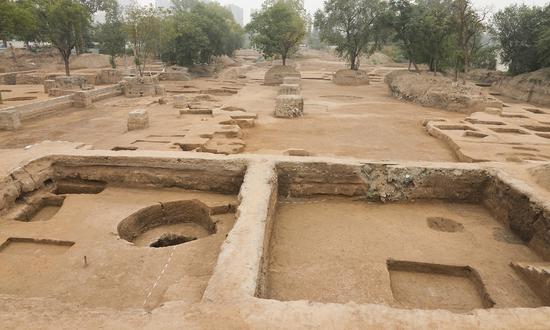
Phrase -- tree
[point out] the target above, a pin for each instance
(403, 17)
(111, 36)
(469, 28)
(65, 21)
(353, 26)
(143, 29)
(277, 29)
(518, 29)
(18, 19)
(196, 34)
(543, 39)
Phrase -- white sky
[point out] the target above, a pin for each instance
(313, 5)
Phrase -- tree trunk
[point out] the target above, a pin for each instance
(284, 59)
(67, 70)
(353, 59)
(5, 42)
(415, 66)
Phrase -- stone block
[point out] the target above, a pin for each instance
(138, 119)
(48, 84)
(82, 99)
(9, 119)
(289, 89)
(289, 106)
(180, 102)
(292, 80)
(139, 86)
(160, 90)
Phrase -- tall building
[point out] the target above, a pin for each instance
(237, 12)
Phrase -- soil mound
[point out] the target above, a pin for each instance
(529, 87)
(90, 61)
(439, 92)
(351, 77)
(277, 73)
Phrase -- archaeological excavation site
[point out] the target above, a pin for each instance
(260, 189)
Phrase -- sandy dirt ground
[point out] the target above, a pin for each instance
(337, 251)
(362, 122)
(21, 94)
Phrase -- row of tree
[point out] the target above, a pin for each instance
(189, 34)
(442, 34)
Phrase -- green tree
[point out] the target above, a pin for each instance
(277, 29)
(518, 29)
(19, 20)
(65, 21)
(111, 36)
(196, 34)
(469, 28)
(543, 39)
(143, 27)
(404, 18)
(355, 27)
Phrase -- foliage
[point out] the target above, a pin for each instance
(18, 19)
(486, 57)
(355, 27)
(111, 35)
(277, 29)
(65, 20)
(143, 27)
(519, 30)
(440, 33)
(199, 32)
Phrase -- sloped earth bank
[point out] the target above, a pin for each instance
(440, 92)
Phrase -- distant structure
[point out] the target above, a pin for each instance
(237, 12)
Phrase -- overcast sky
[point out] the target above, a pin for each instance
(313, 5)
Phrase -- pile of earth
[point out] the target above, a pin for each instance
(533, 87)
(438, 91)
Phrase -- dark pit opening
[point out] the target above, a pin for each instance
(170, 239)
(445, 225)
(168, 224)
(79, 186)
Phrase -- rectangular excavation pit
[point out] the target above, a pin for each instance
(535, 110)
(452, 127)
(34, 246)
(335, 226)
(509, 130)
(106, 265)
(128, 184)
(536, 128)
(434, 286)
(40, 208)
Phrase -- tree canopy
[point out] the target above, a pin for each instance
(277, 29)
(64, 21)
(523, 33)
(353, 26)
